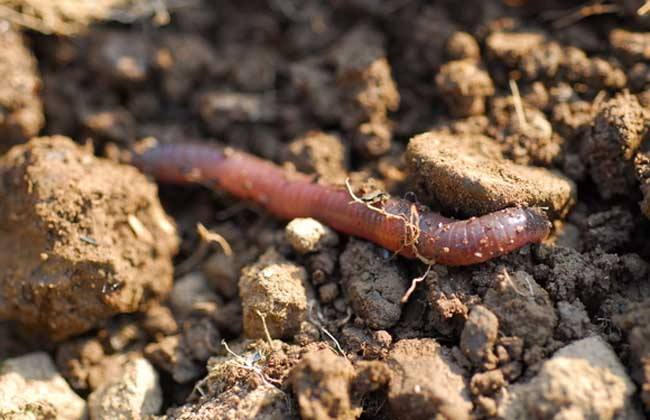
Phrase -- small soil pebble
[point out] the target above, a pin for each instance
(184, 59)
(192, 292)
(119, 58)
(426, 383)
(309, 235)
(83, 238)
(318, 153)
(574, 320)
(85, 366)
(467, 173)
(463, 46)
(464, 85)
(328, 292)
(222, 273)
(364, 77)
(116, 125)
(631, 46)
(273, 291)
(172, 355)
(321, 383)
(373, 283)
(31, 388)
(618, 129)
(642, 167)
(479, 335)
(523, 307)
(21, 110)
(582, 380)
(134, 394)
(220, 109)
(511, 48)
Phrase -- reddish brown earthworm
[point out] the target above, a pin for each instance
(411, 230)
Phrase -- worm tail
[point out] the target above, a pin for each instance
(482, 238)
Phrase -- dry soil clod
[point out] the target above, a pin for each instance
(71, 260)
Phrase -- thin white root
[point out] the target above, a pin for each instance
(414, 284)
(266, 328)
(318, 323)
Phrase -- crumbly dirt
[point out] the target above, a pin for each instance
(464, 109)
(84, 238)
(21, 108)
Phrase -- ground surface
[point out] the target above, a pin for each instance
(512, 103)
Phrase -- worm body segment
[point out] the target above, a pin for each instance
(411, 230)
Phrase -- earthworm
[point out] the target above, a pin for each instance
(409, 229)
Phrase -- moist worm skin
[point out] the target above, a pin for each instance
(289, 195)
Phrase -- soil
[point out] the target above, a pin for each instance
(106, 281)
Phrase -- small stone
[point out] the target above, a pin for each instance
(31, 387)
(321, 383)
(479, 335)
(275, 289)
(426, 383)
(468, 173)
(373, 283)
(309, 235)
(133, 395)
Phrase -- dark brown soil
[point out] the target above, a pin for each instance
(465, 107)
